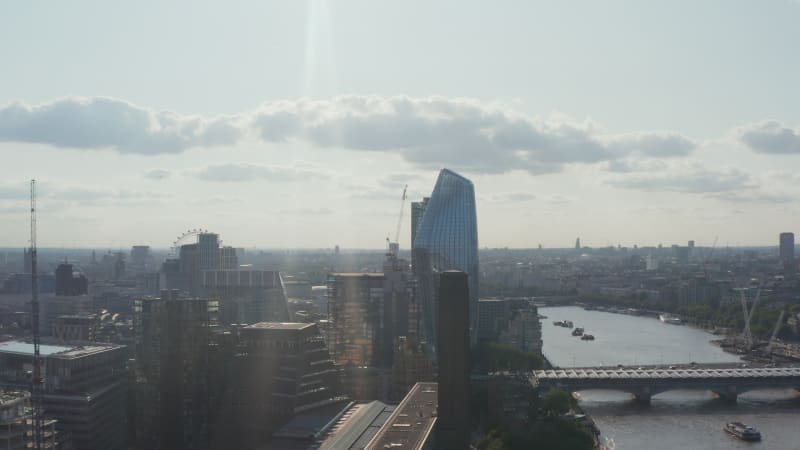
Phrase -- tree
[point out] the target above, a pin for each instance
(556, 403)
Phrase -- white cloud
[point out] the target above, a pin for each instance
(157, 174)
(691, 181)
(235, 172)
(102, 122)
(463, 134)
(770, 137)
(428, 132)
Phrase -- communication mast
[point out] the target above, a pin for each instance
(36, 379)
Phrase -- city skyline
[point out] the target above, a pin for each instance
(627, 131)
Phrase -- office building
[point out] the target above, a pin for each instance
(452, 354)
(178, 370)
(208, 248)
(51, 307)
(356, 308)
(84, 389)
(284, 369)
(787, 247)
(246, 296)
(411, 365)
(368, 311)
(228, 259)
(493, 316)
(140, 258)
(76, 328)
(417, 211)
(447, 239)
(523, 330)
(69, 282)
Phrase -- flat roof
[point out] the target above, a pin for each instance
(12, 396)
(55, 351)
(280, 325)
(358, 274)
(357, 426)
(412, 421)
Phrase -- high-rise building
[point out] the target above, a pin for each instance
(417, 211)
(355, 302)
(69, 282)
(524, 330)
(246, 296)
(452, 354)
(228, 259)
(787, 247)
(177, 371)
(208, 247)
(447, 239)
(493, 316)
(283, 369)
(368, 311)
(411, 365)
(577, 243)
(84, 389)
(140, 255)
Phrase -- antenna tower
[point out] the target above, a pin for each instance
(36, 379)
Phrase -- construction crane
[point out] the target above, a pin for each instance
(36, 378)
(748, 315)
(394, 246)
(775, 332)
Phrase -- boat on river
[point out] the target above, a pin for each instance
(563, 323)
(578, 331)
(742, 431)
(587, 337)
(670, 319)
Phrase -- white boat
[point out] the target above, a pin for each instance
(742, 431)
(670, 319)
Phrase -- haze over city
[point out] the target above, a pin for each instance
(297, 124)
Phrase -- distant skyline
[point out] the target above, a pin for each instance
(297, 124)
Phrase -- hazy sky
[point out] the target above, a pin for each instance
(297, 123)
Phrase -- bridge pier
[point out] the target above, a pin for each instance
(729, 395)
(642, 395)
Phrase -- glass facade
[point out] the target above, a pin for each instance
(447, 239)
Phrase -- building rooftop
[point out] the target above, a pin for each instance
(358, 274)
(410, 425)
(56, 351)
(280, 325)
(356, 427)
(7, 397)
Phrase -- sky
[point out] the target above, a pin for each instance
(297, 124)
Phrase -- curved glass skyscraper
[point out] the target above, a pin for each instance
(447, 239)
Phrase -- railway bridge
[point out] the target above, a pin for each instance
(644, 382)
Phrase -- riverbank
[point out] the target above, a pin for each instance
(674, 419)
(578, 415)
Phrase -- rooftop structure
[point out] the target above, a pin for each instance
(410, 425)
(84, 388)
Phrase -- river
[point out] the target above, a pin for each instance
(681, 419)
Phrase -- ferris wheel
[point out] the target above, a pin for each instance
(188, 236)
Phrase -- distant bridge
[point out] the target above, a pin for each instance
(644, 382)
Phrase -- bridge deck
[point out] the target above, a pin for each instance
(625, 373)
